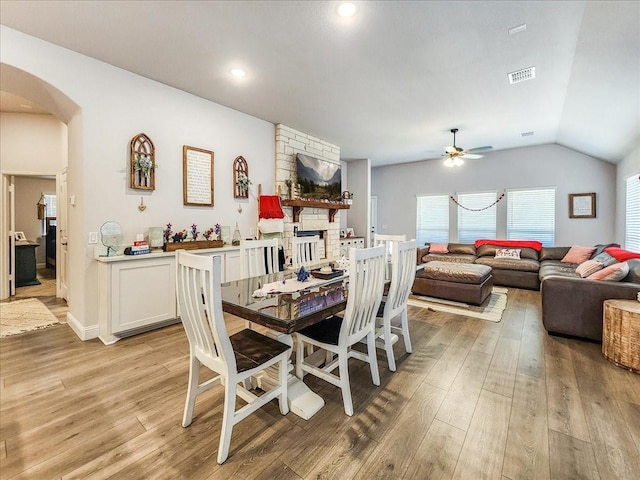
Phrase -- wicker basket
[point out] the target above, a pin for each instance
(621, 333)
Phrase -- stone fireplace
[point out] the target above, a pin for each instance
(288, 143)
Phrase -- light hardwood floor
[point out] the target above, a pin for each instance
(475, 400)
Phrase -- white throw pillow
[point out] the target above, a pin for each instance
(508, 253)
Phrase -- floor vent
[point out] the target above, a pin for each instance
(522, 75)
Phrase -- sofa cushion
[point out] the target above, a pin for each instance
(554, 268)
(578, 254)
(490, 251)
(438, 248)
(553, 253)
(462, 248)
(634, 271)
(508, 253)
(605, 259)
(613, 273)
(621, 254)
(448, 257)
(518, 264)
(588, 267)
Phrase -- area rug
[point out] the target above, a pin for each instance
(491, 309)
(24, 316)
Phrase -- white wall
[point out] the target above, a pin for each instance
(113, 106)
(538, 166)
(629, 166)
(32, 143)
(359, 174)
(27, 195)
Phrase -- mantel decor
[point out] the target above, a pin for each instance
(198, 244)
(241, 180)
(142, 163)
(582, 205)
(299, 204)
(197, 176)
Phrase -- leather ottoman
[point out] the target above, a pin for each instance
(460, 282)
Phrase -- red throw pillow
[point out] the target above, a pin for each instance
(620, 254)
(578, 254)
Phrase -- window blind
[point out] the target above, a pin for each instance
(51, 205)
(432, 224)
(475, 220)
(531, 215)
(632, 214)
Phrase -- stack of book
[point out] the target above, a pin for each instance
(139, 247)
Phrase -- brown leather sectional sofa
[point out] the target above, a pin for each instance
(571, 305)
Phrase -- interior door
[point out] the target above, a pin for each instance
(7, 229)
(62, 234)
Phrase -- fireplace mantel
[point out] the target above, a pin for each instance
(299, 204)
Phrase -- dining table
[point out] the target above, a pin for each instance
(285, 305)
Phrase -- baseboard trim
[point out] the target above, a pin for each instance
(83, 333)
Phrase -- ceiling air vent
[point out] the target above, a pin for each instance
(522, 75)
(526, 134)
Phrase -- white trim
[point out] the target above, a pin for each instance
(83, 333)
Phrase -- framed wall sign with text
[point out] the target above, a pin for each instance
(197, 176)
(582, 205)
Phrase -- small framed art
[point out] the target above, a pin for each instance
(582, 205)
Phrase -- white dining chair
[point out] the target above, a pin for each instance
(306, 252)
(382, 239)
(337, 335)
(258, 257)
(234, 358)
(403, 272)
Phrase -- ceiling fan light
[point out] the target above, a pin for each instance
(448, 162)
(457, 162)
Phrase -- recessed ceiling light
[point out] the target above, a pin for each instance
(346, 9)
(238, 72)
(518, 29)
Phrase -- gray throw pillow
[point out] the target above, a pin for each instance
(605, 259)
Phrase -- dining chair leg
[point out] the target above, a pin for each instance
(388, 347)
(284, 374)
(299, 358)
(227, 420)
(343, 368)
(192, 391)
(373, 358)
(405, 331)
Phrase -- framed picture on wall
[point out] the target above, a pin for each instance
(582, 205)
(197, 175)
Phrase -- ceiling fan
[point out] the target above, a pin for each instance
(454, 155)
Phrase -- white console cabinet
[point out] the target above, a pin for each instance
(348, 243)
(137, 293)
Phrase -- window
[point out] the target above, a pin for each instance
(632, 216)
(476, 216)
(531, 215)
(51, 205)
(433, 219)
(50, 210)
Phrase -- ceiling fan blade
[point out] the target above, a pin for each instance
(480, 149)
(471, 156)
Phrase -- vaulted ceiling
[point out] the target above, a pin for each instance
(388, 83)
